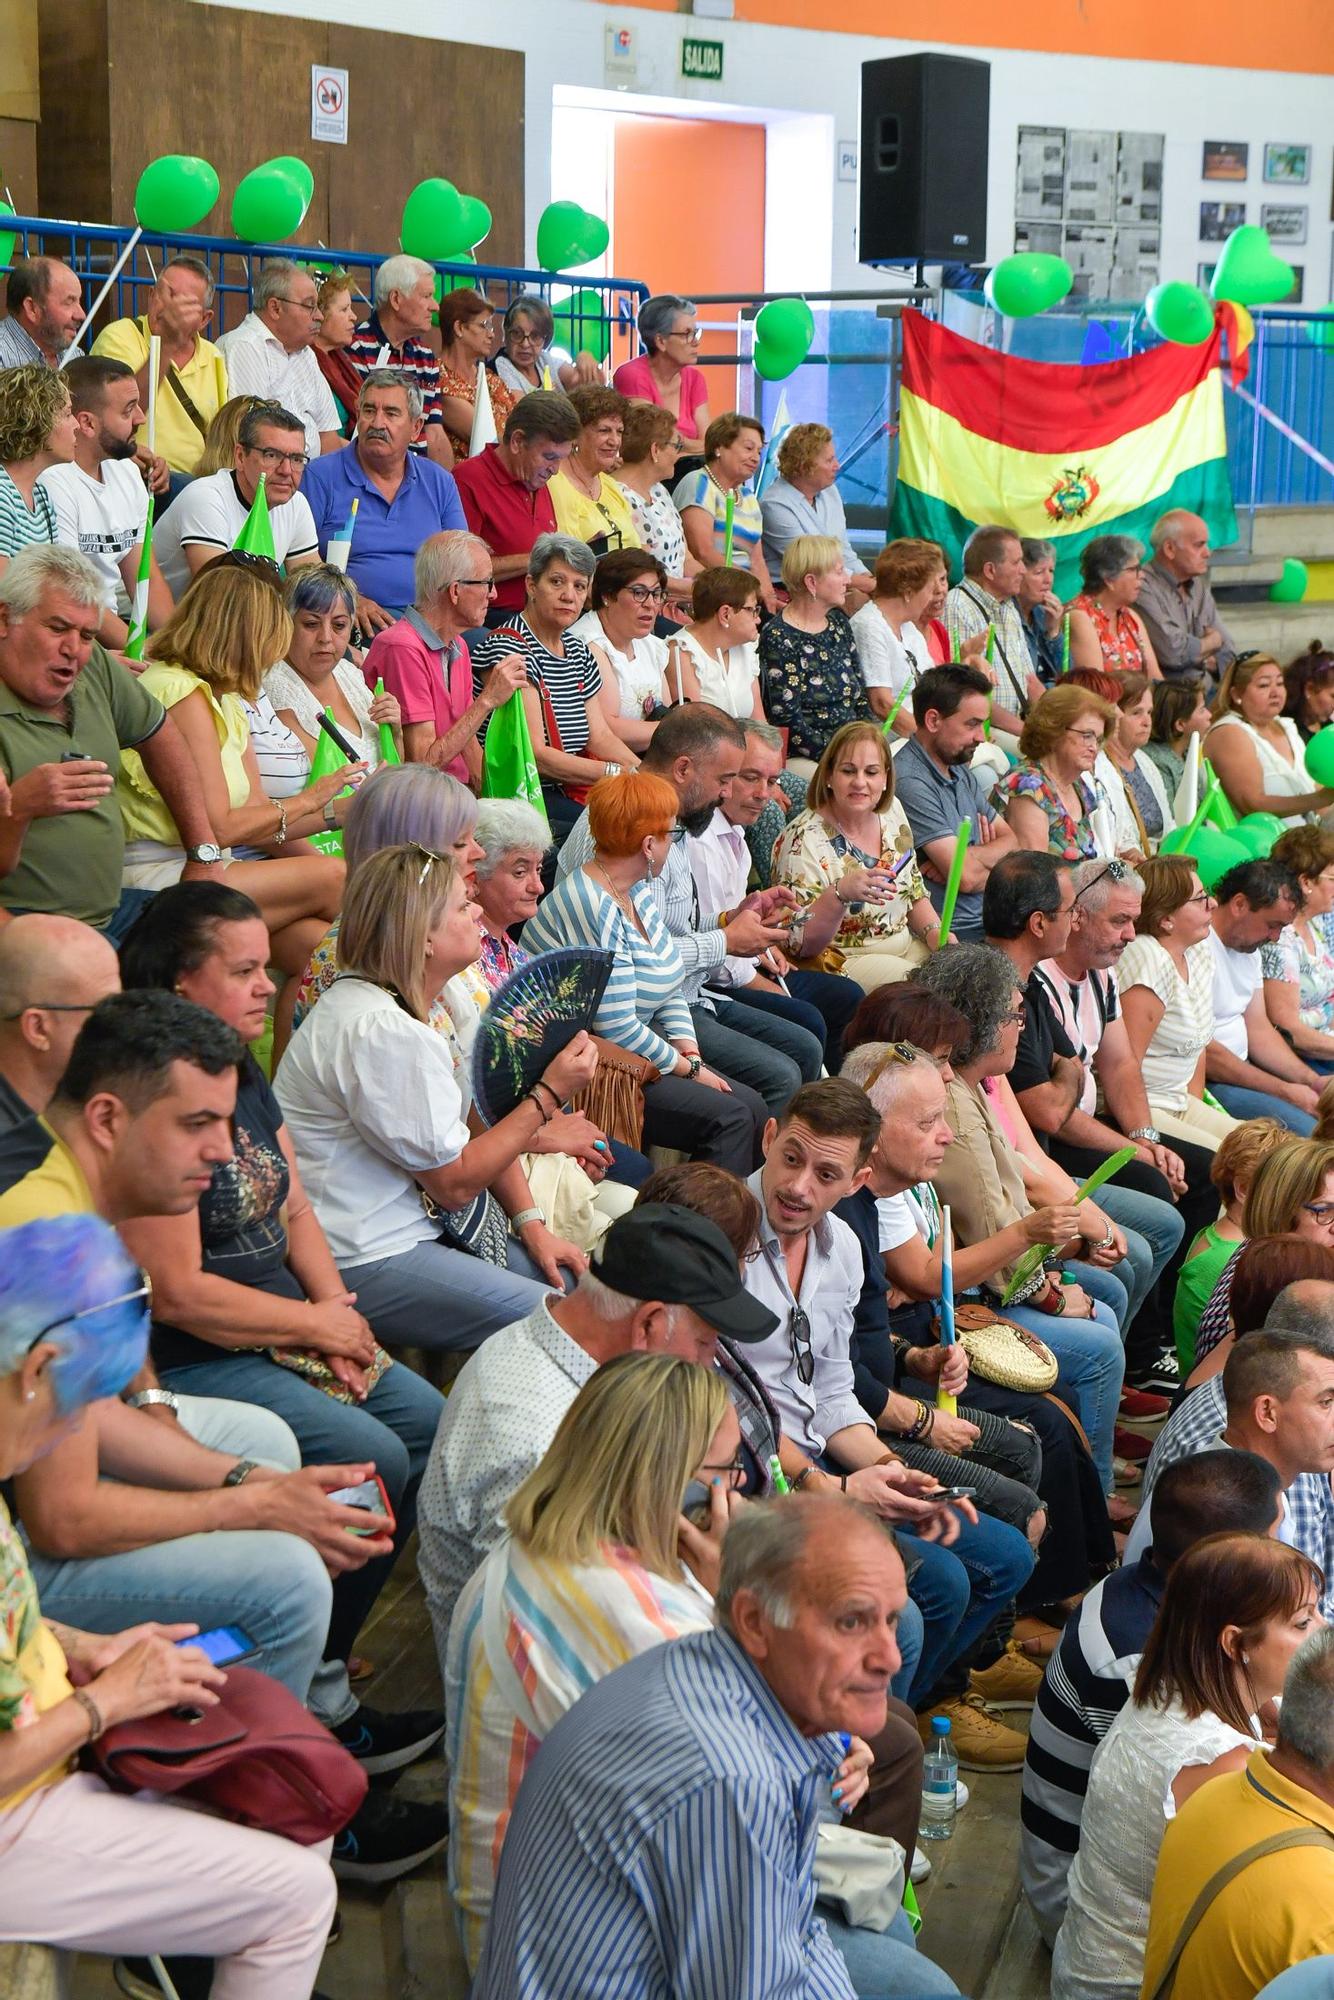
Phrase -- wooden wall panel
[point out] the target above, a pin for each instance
(74, 138)
(18, 163)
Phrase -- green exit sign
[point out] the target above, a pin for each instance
(701, 62)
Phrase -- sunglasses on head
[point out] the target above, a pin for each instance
(898, 1055)
(1118, 870)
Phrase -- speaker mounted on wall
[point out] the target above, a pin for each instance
(922, 194)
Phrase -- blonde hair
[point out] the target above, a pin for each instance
(220, 439)
(393, 902)
(1059, 709)
(1240, 673)
(809, 555)
(1240, 1154)
(230, 627)
(617, 1467)
(33, 399)
(801, 448)
(1292, 1175)
(821, 790)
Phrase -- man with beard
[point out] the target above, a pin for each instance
(698, 750)
(43, 312)
(937, 790)
(100, 503)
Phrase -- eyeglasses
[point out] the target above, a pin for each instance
(690, 333)
(898, 1055)
(489, 581)
(525, 339)
(309, 306)
(799, 1332)
(1019, 1014)
(268, 456)
(429, 863)
(734, 1466)
(1320, 1211)
(1203, 897)
(143, 1290)
(51, 1007)
(643, 595)
(1085, 735)
(1118, 870)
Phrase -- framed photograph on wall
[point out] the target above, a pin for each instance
(1204, 275)
(1218, 219)
(1290, 164)
(1225, 160)
(1285, 225)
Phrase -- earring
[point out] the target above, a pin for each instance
(1245, 1659)
(29, 1395)
(1168, 924)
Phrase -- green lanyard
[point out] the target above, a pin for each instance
(926, 1196)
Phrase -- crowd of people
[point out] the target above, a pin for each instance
(720, 1499)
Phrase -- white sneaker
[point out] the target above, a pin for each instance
(921, 1866)
(960, 1795)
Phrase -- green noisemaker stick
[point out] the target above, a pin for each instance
(962, 839)
(1031, 1259)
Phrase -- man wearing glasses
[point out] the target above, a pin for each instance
(210, 514)
(271, 353)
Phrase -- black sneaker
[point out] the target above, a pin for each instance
(192, 1978)
(390, 1742)
(388, 1837)
(1162, 1376)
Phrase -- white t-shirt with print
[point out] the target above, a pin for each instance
(211, 512)
(102, 518)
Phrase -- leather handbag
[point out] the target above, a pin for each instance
(1003, 1353)
(259, 1758)
(614, 1100)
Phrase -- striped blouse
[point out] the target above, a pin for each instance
(571, 680)
(643, 1005)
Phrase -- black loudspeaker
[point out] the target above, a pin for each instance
(923, 162)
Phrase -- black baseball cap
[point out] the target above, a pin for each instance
(663, 1251)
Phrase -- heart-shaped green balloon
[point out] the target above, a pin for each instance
(288, 163)
(455, 281)
(773, 366)
(1254, 839)
(594, 237)
(1267, 823)
(7, 237)
(568, 236)
(1289, 587)
(1028, 283)
(476, 221)
(432, 225)
(1248, 272)
(175, 192)
(580, 323)
(268, 206)
(1181, 313)
(784, 329)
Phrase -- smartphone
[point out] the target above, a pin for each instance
(950, 1493)
(225, 1645)
(372, 1496)
(76, 756)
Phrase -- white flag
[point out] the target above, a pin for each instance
(1187, 801)
(483, 417)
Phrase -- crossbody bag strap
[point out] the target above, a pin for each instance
(1017, 687)
(1297, 1836)
(178, 388)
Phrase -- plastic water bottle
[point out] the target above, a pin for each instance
(940, 1783)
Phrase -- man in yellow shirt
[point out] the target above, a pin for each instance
(1278, 1910)
(192, 375)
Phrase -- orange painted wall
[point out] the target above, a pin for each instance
(669, 174)
(1283, 35)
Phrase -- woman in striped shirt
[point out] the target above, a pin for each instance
(608, 905)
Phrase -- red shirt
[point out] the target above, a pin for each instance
(431, 682)
(507, 515)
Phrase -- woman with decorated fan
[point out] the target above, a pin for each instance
(417, 1203)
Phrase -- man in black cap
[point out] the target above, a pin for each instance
(663, 1281)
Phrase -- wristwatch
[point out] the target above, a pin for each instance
(696, 1065)
(1148, 1133)
(241, 1471)
(330, 814)
(144, 1399)
(207, 851)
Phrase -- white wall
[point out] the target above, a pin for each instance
(795, 71)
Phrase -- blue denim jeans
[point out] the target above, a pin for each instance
(911, 1637)
(432, 1296)
(1152, 1229)
(960, 1591)
(1244, 1104)
(1092, 1363)
(886, 1965)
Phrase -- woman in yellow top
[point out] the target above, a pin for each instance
(589, 504)
(82, 1867)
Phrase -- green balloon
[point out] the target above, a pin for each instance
(1289, 587)
(7, 237)
(1028, 283)
(1214, 853)
(175, 192)
(581, 322)
(432, 225)
(773, 366)
(1321, 328)
(455, 281)
(568, 236)
(288, 163)
(1248, 273)
(1180, 313)
(1254, 839)
(594, 236)
(1268, 823)
(784, 330)
(1320, 756)
(476, 221)
(267, 207)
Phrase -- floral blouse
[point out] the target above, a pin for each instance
(810, 857)
(500, 957)
(465, 388)
(1311, 972)
(1119, 636)
(659, 525)
(812, 682)
(32, 1666)
(1069, 839)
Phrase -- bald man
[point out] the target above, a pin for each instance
(53, 972)
(1176, 603)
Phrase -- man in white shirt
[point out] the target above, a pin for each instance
(270, 353)
(210, 514)
(993, 572)
(100, 501)
(1250, 1068)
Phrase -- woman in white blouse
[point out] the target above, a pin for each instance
(891, 646)
(1256, 750)
(317, 674)
(720, 660)
(1166, 981)
(627, 592)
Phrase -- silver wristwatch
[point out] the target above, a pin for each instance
(1148, 1133)
(207, 851)
(144, 1399)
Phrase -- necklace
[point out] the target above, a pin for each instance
(621, 896)
(588, 482)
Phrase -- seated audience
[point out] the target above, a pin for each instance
(1121, 831)
(64, 837)
(599, 1564)
(626, 596)
(890, 644)
(1236, 1166)
(1049, 798)
(848, 859)
(1106, 632)
(1275, 1911)
(100, 500)
(650, 448)
(37, 431)
(665, 372)
(1233, 1613)
(1298, 970)
(1087, 1684)
(1251, 1069)
(316, 673)
(401, 497)
(589, 504)
(804, 500)
(504, 493)
(1166, 984)
(335, 327)
(573, 743)
(1291, 1196)
(399, 320)
(211, 512)
(425, 664)
(163, 1879)
(514, 840)
(192, 375)
(938, 790)
(1256, 750)
(271, 354)
(467, 324)
(1309, 683)
(986, 602)
(1041, 610)
(717, 653)
(812, 681)
(1179, 712)
(43, 313)
(705, 499)
(527, 359)
(42, 957)
(1176, 604)
(1143, 809)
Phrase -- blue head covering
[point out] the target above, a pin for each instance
(69, 1280)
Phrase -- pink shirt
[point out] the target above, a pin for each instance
(432, 683)
(635, 378)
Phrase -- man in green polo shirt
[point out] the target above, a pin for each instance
(67, 710)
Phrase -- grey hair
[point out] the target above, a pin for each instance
(611, 1306)
(656, 316)
(1105, 557)
(391, 378)
(1036, 550)
(535, 309)
(980, 981)
(444, 559)
(1168, 527)
(1305, 1309)
(765, 732)
(860, 1065)
(507, 826)
(261, 415)
(1095, 881)
(1306, 1714)
(548, 549)
(399, 274)
(401, 803)
(197, 269)
(317, 588)
(764, 1548)
(44, 566)
(275, 274)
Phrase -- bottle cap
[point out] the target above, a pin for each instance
(940, 1725)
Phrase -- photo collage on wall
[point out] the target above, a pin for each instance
(1096, 199)
(1283, 166)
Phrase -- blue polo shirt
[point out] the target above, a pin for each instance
(935, 801)
(388, 534)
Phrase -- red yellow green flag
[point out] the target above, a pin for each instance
(1054, 450)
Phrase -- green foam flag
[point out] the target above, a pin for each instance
(961, 841)
(899, 699)
(256, 536)
(1031, 1259)
(328, 757)
(388, 747)
(138, 638)
(509, 768)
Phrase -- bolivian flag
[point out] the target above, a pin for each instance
(1054, 449)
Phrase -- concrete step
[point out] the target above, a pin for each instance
(1307, 532)
(1281, 629)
